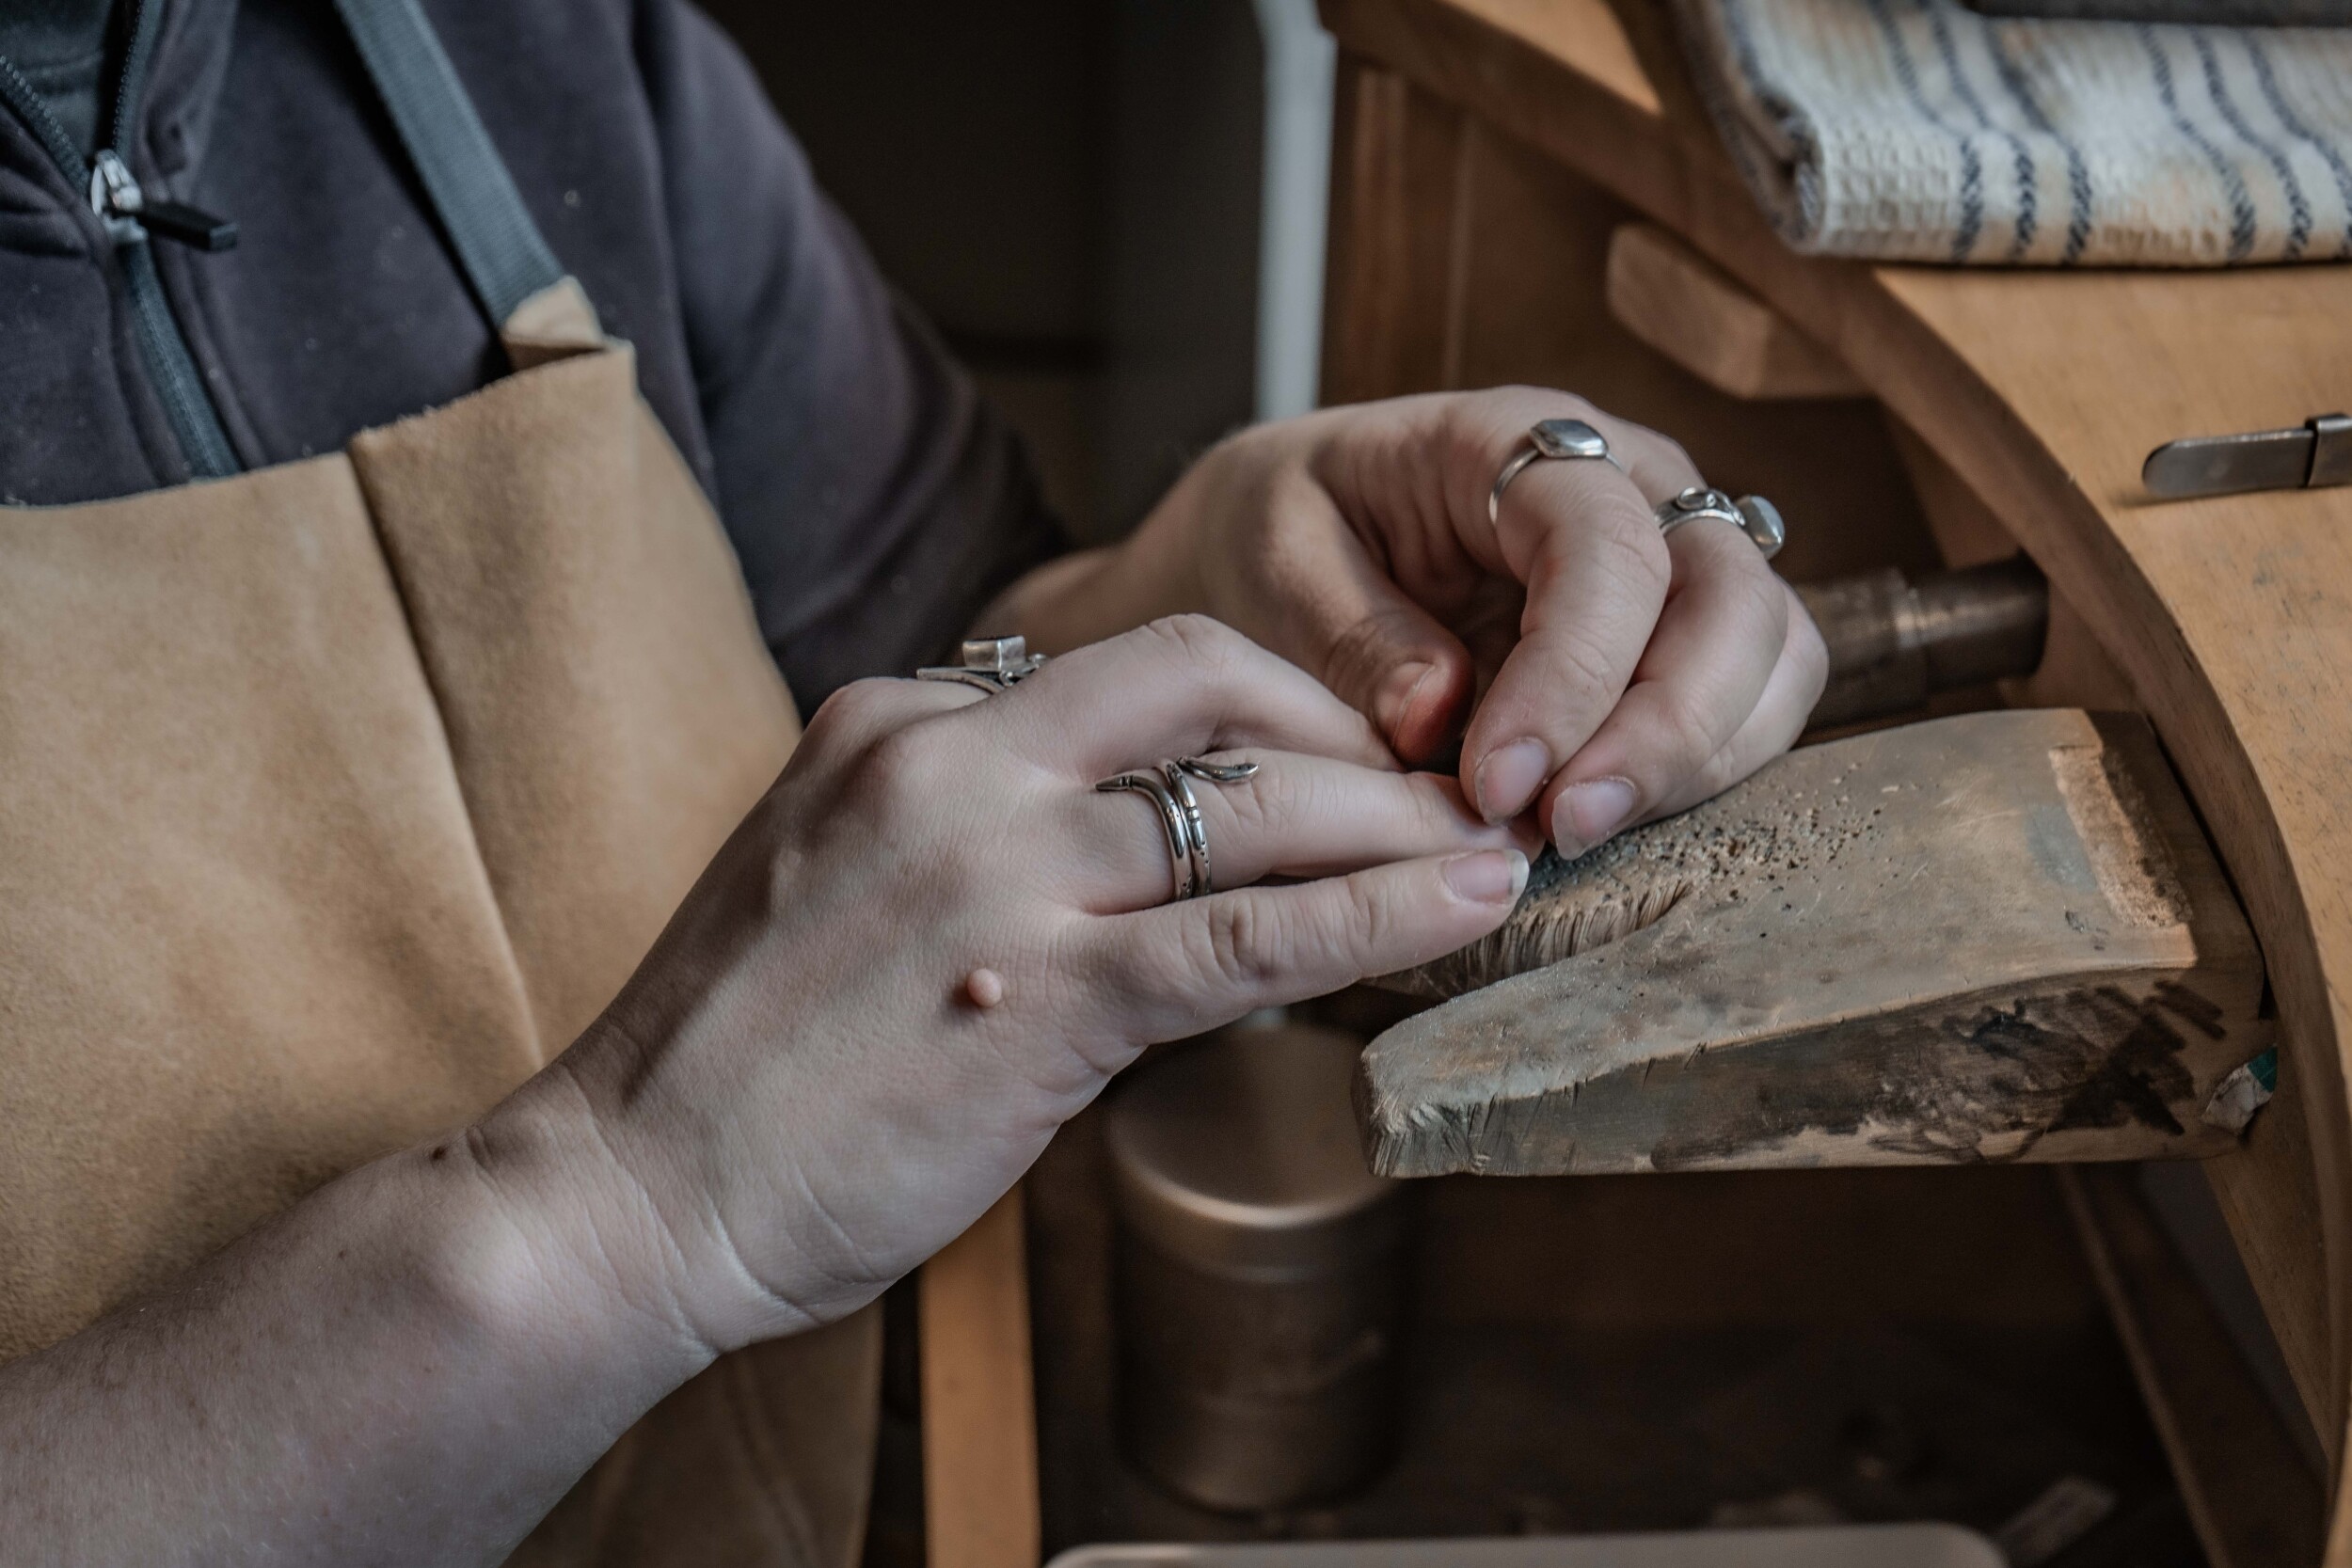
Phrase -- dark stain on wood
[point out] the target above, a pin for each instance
(1981, 1084)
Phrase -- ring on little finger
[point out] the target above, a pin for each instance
(1187, 836)
(1753, 516)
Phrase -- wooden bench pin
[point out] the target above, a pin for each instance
(1995, 936)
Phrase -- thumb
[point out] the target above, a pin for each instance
(1382, 653)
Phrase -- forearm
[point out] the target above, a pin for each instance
(411, 1365)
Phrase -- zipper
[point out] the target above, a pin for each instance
(131, 220)
(115, 197)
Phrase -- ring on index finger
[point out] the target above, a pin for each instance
(1186, 836)
(1562, 438)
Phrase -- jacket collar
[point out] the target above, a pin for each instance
(183, 85)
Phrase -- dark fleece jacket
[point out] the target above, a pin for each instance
(873, 500)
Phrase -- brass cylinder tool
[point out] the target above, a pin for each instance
(1260, 1275)
(1894, 644)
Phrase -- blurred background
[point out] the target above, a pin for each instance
(1070, 190)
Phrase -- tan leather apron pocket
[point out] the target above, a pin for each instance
(610, 708)
(334, 800)
(245, 941)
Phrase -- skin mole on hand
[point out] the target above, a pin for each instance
(984, 988)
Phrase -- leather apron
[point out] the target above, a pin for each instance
(337, 798)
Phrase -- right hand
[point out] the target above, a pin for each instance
(796, 1102)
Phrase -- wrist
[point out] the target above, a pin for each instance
(555, 1241)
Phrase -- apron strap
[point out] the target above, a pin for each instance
(505, 258)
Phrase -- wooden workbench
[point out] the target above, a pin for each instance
(1486, 155)
(1483, 150)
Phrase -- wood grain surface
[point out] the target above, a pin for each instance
(1992, 937)
(1697, 315)
(979, 1415)
(2249, 1492)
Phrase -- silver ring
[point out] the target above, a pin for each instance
(1753, 516)
(1176, 830)
(990, 663)
(1187, 834)
(1217, 773)
(1566, 438)
(1196, 831)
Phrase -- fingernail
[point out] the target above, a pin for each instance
(1487, 876)
(1587, 813)
(1509, 778)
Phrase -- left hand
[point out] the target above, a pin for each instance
(1598, 672)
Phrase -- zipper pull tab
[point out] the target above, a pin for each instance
(129, 217)
(191, 226)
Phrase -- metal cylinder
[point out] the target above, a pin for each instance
(1893, 643)
(1261, 1272)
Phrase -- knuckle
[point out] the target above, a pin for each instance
(1585, 665)
(1556, 402)
(1263, 801)
(1197, 639)
(1372, 921)
(1436, 802)
(1681, 733)
(1150, 974)
(1670, 452)
(1768, 599)
(1627, 546)
(1368, 649)
(853, 710)
(898, 770)
(1477, 423)
(1240, 944)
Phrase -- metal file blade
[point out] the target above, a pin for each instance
(2317, 452)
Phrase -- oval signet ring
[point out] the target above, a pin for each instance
(1560, 438)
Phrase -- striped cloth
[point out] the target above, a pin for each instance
(1920, 131)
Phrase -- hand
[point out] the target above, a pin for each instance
(1617, 675)
(800, 1096)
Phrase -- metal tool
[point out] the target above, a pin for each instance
(2318, 452)
(1893, 642)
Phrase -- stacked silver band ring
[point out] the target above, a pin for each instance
(1186, 836)
(1175, 830)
